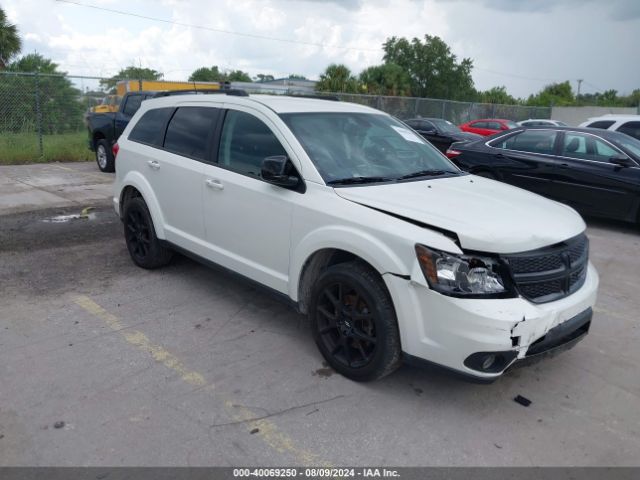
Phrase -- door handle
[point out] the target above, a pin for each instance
(153, 164)
(563, 165)
(214, 183)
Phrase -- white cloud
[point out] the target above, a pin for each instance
(543, 41)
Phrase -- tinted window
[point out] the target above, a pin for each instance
(587, 147)
(536, 141)
(425, 125)
(189, 129)
(604, 124)
(494, 126)
(150, 128)
(245, 142)
(479, 125)
(132, 105)
(631, 128)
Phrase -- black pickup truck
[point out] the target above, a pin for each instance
(105, 128)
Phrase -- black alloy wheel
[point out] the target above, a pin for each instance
(354, 323)
(145, 249)
(346, 325)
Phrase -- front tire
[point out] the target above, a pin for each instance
(354, 323)
(104, 157)
(144, 247)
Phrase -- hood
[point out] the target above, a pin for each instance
(487, 215)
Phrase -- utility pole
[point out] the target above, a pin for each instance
(579, 84)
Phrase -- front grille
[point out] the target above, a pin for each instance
(550, 273)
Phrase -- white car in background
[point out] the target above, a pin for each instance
(393, 252)
(629, 124)
(541, 122)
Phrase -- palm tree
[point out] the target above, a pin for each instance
(337, 78)
(10, 42)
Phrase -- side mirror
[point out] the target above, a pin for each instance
(274, 170)
(621, 161)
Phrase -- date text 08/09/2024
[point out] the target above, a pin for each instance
(315, 472)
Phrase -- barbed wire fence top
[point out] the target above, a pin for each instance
(39, 110)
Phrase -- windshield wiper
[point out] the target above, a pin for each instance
(427, 173)
(356, 180)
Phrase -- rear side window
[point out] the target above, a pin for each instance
(189, 131)
(535, 141)
(479, 125)
(132, 105)
(603, 124)
(245, 142)
(150, 127)
(631, 128)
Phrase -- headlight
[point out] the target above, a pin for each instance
(461, 275)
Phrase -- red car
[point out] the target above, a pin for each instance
(488, 126)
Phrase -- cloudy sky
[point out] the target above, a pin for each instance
(521, 44)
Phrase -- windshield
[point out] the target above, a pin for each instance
(511, 124)
(445, 126)
(628, 143)
(351, 147)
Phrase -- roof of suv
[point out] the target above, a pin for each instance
(615, 116)
(277, 103)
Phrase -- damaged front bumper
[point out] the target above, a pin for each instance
(481, 338)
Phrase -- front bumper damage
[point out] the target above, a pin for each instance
(460, 334)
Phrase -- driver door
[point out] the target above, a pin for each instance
(247, 220)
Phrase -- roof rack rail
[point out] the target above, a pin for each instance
(332, 98)
(226, 91)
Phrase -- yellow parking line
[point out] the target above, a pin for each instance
(267, 430)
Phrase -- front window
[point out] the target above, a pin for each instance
(446, 126)
(534, 141)
(364, 147)
(628, 143)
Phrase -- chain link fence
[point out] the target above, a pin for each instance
(405, 108)
(42, 116)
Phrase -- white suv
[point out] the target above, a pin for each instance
(392, 251)
(629, 124)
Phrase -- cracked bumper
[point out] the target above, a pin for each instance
(446, 330)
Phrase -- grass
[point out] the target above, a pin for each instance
(23, 148)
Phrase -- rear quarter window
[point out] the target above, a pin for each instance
(150, 128)
(603, 124)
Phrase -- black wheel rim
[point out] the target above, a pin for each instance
(138, 235)
(346, 325)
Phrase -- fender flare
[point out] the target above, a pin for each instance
(382, 258)
(136, 180)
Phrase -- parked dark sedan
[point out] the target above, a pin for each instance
(441, 133)
(595, 171)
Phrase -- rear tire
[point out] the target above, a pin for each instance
(354, 323)
(104, 156)
(145, 248)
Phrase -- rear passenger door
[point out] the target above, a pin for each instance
(247, 220)
(175, 172)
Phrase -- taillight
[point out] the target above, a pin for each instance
(452, 153)
(115, 149)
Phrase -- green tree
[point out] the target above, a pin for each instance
(59, 101)
(434, 71)
(261, 77)
(386, 79)
(559, 94)
(206, 74)
(337, 78)
(497, 95)
(130, 73)
(10, 43)
(237, 76)
(214, 74)
(296, 76)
